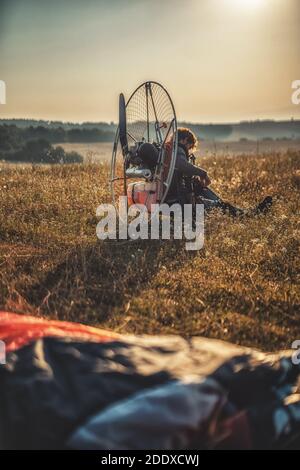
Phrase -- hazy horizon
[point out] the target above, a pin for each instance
(182, 121)
(222, 61)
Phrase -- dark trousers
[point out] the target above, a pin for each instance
(211, 201)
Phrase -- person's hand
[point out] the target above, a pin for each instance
(207, 180)
(204, 179)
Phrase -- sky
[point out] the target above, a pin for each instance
(221, 60)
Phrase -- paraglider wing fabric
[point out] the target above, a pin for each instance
(18, 330)
(169, 416)
(52, 385)
(66, 385)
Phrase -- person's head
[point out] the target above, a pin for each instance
(187, 138)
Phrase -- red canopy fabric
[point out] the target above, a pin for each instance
(18, 330)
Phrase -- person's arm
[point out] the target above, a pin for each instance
(187, 168)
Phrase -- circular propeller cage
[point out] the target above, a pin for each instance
(148, 116)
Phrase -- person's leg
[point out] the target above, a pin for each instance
(211, 200)
(207, 193)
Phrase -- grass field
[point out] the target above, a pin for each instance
(243, 286)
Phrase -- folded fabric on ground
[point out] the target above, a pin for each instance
(66, 385)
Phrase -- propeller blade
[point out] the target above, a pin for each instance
(122, 125)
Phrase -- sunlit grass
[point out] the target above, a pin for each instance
(243, 286)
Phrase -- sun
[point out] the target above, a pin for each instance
(249, 4)
(252, 3)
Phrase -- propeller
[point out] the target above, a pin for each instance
(122, 125)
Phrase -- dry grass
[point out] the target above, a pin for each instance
(242, 287)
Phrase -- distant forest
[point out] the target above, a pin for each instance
(104, 126)
(32, 140)
(58, 131)
(33, 144)
(55, 134)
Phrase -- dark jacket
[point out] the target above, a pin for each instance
(184, 170)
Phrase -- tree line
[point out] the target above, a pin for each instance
(34, 144)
